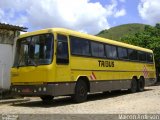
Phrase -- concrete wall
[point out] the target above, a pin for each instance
(7, 51)
(6, 62)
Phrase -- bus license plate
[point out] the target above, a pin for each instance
(26, 90)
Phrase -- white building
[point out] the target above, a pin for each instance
(8, 36)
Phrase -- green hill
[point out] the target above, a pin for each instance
(115, 33)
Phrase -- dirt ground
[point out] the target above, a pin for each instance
(147, 102)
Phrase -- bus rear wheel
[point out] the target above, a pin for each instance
(133, 88)
(140, 85)
(47, 98)
(80, 92)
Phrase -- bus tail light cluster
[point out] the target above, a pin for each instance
(42, 89)
(35, 90)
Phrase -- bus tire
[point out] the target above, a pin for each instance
(47, 98)
(140, 84)
(80, 94)
(133, 88)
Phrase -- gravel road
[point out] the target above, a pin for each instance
(147, 102)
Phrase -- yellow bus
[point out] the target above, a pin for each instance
(54, 62)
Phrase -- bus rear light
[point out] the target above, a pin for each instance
(15, 89)
(35, 91)
(44, 89)
(39, 89)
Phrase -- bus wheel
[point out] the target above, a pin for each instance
(140, 85)
(47, 98)
(80, 92)
(133, 88)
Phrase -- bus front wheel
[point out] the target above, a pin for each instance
(80, 92)
(134, 86)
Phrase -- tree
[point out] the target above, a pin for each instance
(149, 38)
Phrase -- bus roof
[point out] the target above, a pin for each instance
(87, 36)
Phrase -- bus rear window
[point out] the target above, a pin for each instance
(34, 50)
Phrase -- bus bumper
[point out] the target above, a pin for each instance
(40, 90)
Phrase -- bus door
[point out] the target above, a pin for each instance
(62, 59)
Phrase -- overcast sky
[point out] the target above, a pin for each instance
(89, 16)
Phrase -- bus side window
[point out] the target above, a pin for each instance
(142, 56)
(122, 53)
(62, 50)
(149, 57)
(111, 51)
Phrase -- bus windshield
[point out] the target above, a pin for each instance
(34, 50)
